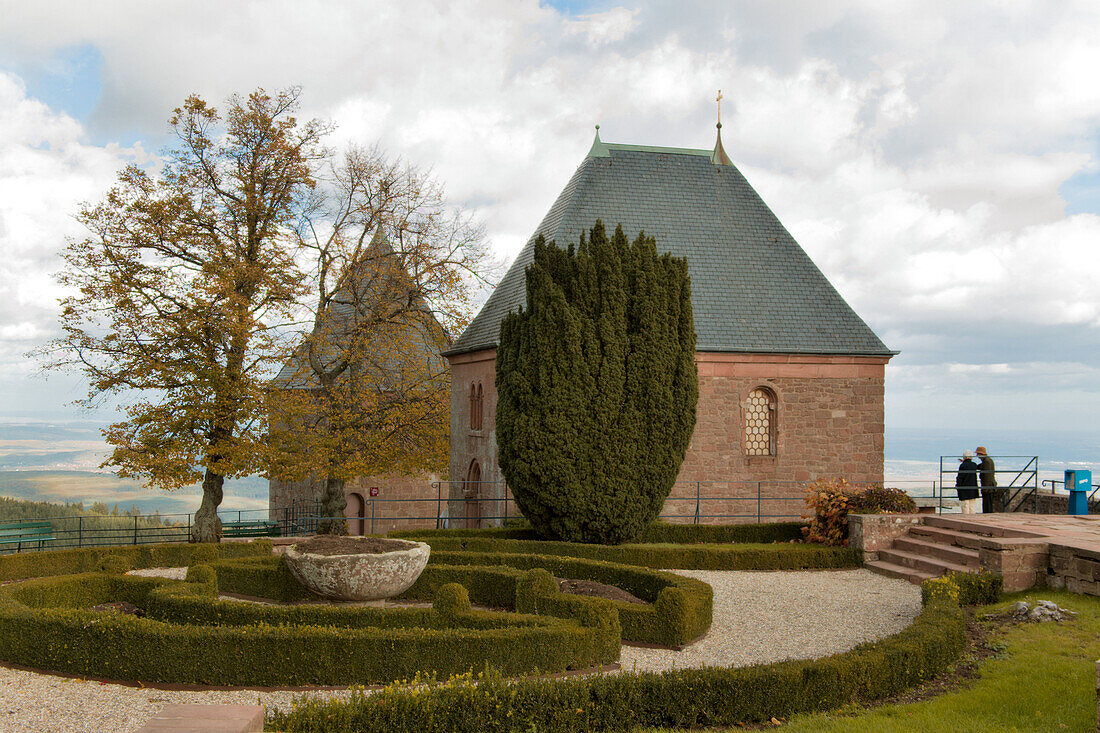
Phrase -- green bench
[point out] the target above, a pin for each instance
(254, 528)
(18, 533)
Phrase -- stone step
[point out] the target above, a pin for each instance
(976, 527)
(943, 536)
(961, 525)
(951, 553)
(891, 570)
(931, 565)
(206, 719)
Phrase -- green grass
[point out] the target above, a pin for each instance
(1044, 680)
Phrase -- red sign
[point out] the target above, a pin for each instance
(374, 491)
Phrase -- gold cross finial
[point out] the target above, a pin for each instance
(719, 100)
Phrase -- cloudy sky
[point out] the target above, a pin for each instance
(938, 160)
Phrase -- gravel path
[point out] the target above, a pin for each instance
(758, 617)
(763, 617)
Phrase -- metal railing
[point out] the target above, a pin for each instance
(458, 504)
(1023, 484)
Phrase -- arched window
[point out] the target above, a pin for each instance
(480, 408)
(473, 406)
(760, 418)
(476, 420)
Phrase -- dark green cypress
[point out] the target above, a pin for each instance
(597, 387)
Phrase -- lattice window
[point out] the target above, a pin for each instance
(760, 423)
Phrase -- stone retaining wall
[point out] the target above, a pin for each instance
(1075, 569)
(873, 532)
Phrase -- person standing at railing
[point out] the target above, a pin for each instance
(966, 483)
(987, 473)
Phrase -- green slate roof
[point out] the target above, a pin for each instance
(753, 287)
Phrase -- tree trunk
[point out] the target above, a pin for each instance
(333, 504)
(208, 528)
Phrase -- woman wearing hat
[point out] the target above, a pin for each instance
(966, 483)
(987, 473)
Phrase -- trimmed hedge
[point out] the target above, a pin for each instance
(680, 612)
(656, 533)
(730, 556)
(22, 565)
(677, 699)
(45, 623)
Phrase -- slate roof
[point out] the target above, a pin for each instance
(753, 287)
(421, 333)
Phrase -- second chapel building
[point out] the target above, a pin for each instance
(791, 380)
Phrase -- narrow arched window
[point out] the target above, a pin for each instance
(480, 408)
(760, 422)
(473, 407)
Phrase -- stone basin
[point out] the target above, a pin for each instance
(359, 577)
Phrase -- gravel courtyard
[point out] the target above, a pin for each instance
(758, 617)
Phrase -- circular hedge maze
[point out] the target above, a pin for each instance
(189, 634)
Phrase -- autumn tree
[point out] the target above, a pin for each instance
(597, 387)
(180, 286)
(366, 392)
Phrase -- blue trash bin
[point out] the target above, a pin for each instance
(1079, 483)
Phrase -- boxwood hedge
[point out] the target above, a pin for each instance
(698, 556)
(679, 608)
(713, 696)
(191, 637)
(656, 533)
(23, 565)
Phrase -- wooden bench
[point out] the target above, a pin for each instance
(254, 528)
(17, 533)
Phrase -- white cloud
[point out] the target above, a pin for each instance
(915, 150)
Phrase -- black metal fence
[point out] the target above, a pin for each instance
(462, 505)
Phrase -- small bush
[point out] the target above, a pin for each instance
(879, 500)
(977, 589)
(203, 553)
(832, 500)
(203, 575)
(939, 590)
(452, 599)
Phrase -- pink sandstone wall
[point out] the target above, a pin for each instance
(830, 423)
(403, 502)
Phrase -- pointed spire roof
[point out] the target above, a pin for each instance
(753, 287)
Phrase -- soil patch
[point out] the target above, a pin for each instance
(120, 607)
(599, 590)
(340, 545)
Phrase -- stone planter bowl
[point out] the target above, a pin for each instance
(360, 577)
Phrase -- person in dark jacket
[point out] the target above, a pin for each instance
(987, 475)
(966, 483)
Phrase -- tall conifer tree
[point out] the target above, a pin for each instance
(597, 387)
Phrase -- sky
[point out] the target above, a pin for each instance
(937, 160)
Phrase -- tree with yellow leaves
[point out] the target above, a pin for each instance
(366, 390)
(179, 290)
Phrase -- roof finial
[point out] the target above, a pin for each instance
(719, 156)
(599, 149)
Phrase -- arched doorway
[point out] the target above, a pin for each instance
(472, 494)
(356, 512)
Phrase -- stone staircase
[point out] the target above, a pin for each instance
(928, 550)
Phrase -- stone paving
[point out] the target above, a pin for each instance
(1076, 531)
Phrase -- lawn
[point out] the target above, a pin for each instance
(1042, 680)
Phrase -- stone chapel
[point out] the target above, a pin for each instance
(791, 380)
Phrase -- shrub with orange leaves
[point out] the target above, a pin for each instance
(833, 499)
